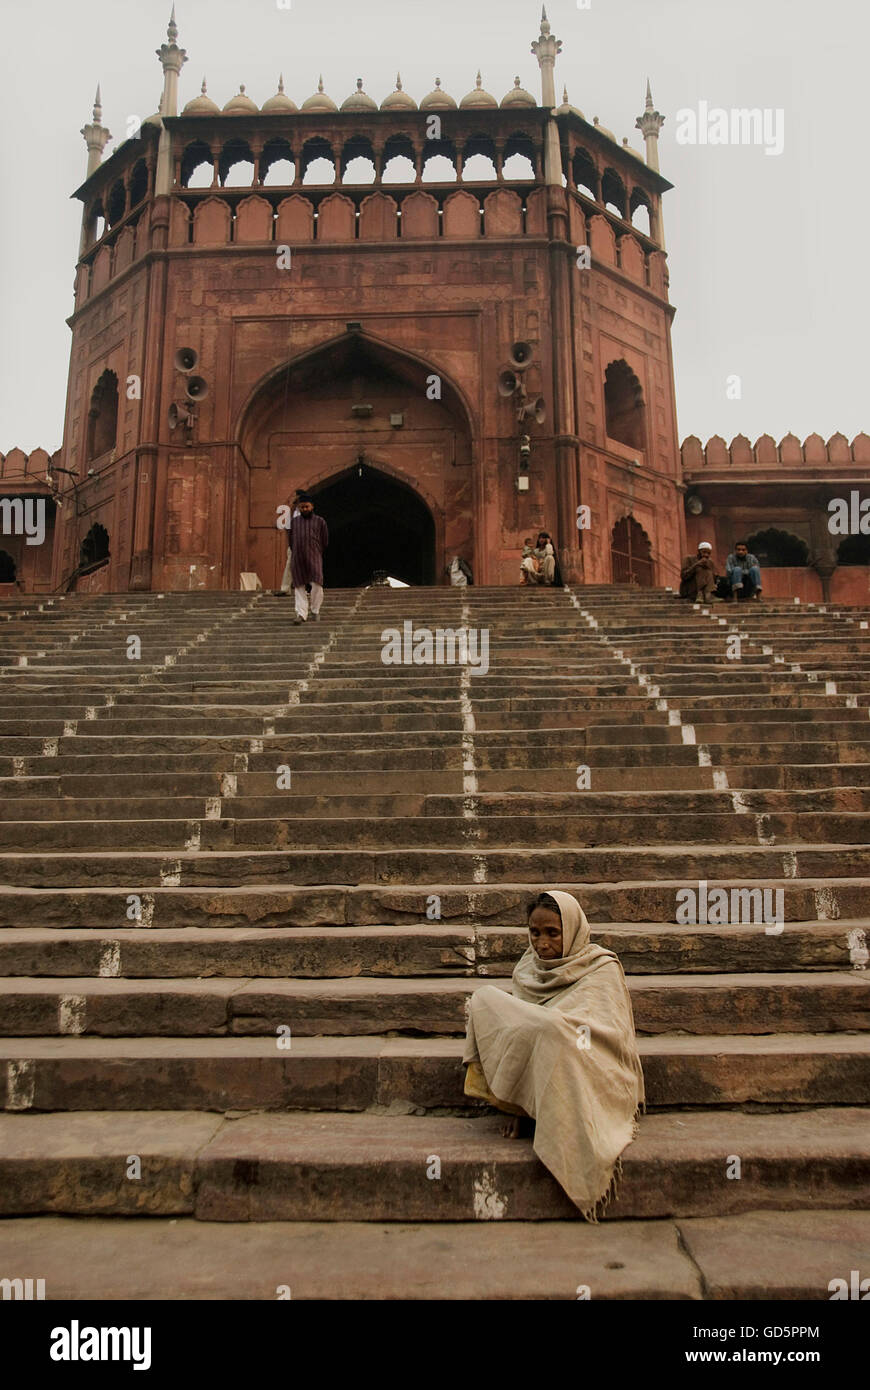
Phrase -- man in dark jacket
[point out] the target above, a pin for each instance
(697, 575)
(309, 538)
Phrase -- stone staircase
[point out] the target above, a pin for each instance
(252, 875)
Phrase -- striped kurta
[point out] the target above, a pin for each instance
(309, 538)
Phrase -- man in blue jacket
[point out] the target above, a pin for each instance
(743, 574)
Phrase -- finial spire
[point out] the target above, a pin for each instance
(172, 60)
(650, 123)
(398, 81)
(96, 135)
(320, 83)
(281, 83)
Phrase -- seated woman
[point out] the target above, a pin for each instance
(561, 1050)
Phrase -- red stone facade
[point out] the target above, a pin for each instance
(379, 349)
(353, 339)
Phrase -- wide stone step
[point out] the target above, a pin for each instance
(426, 949)
(261, 1167)
(300, 829)
(401, 1074)
(316, 868)
(758, 1255)
(274, 906)
(816, 1002)
(240, 801)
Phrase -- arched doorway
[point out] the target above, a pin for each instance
(631, 553)
(354, 402)
(8, 568)
(776, 549)
(374, 523)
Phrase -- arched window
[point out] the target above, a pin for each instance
(7, 568)
(236, 165)
(776, 549)
(613, 193)
(631, 553)
(640, 211)
(102, 417)
(117, 202)
(197, 166)
(138, 182)
(624, 409)
(95, 546)
(854, 550)
(585, 174)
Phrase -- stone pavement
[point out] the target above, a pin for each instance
(251, 878)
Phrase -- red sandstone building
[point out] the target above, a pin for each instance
(448, 321)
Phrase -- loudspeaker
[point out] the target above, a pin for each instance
(521, 355)
(196, 388)
(539, 409)
(186, 359)
(174, 416)
(508, 382)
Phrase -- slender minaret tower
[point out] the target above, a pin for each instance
(172, 59)
(546, 49)
(650, 123)
(97, 136)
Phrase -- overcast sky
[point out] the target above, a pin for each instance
(769, 261)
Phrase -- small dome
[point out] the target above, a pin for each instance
(157, 118)
(279, 102)
(358, 100)
(398, 100)
(602, 129)
(240, 105)
(320, 101)
(437, 100)
(478, 97)
(199, 106)
(566, 109)
(629, 149)
(517, 96)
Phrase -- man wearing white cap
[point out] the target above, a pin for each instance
(698, 575)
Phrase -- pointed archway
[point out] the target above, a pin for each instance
(375, 522)
(358, 402)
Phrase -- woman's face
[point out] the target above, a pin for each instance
(545, 930)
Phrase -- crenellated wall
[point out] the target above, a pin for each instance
(783, 492)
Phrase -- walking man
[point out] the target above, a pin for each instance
(309, 537)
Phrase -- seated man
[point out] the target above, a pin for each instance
(697, 576)
(743, 574)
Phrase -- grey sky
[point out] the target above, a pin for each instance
(769, 264)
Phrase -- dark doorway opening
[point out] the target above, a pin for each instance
(8, 568)
(375, 523)
(631, 553)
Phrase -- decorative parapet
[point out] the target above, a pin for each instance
(742, 457)
(20, 472)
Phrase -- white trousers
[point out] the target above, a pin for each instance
(301, 599)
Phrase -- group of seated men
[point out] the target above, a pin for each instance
(741, 580)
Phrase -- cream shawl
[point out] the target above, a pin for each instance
(562, 1049)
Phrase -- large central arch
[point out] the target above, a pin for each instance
(381, 441)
